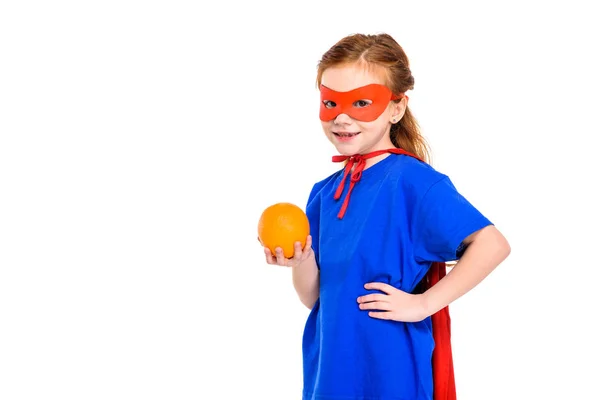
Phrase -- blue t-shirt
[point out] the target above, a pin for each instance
(402, 216)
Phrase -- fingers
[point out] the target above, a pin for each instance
(384, 287)
(269, 257)
(373, 297)
(279, 256)
(308, 245)
(376, 305)
(380, 315)
(298, 253)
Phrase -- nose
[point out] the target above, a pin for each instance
(342, 119)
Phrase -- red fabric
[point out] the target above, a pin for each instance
(443, 367)
(442, 364)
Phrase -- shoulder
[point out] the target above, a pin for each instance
(415, 177)
(320, 185)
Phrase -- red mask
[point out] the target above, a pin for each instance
(378, 97)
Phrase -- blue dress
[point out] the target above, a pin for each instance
(402, 215)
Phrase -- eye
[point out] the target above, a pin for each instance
(362, 103)
(329, 104)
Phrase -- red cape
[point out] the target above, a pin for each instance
(443, 368)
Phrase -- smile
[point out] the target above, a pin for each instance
(345, 134)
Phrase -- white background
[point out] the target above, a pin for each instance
(140, 141)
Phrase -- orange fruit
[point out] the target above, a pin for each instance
(282, 225)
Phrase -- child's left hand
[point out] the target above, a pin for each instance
(394, 304)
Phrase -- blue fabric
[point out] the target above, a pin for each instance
(402, 215)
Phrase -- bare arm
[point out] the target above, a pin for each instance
(305, 274)
(487, 248)
(305, 277)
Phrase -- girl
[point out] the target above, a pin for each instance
(378, 227)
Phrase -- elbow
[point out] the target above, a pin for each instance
(308, 305)
(503, 248)
(491, 241)
(309, 301)
(507, 249)
(504, 251)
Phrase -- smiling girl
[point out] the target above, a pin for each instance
(381, 226)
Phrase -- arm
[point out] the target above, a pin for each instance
(487, 248)
(305, 273)
(305, 277)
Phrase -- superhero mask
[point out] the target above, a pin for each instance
(345, 102)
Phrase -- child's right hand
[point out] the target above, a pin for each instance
(299, 255)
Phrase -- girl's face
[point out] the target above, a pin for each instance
(349, 135)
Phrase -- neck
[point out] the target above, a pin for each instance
(374, 160)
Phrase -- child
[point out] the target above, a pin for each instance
(380, 229)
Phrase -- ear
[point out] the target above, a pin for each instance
(398, 110)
